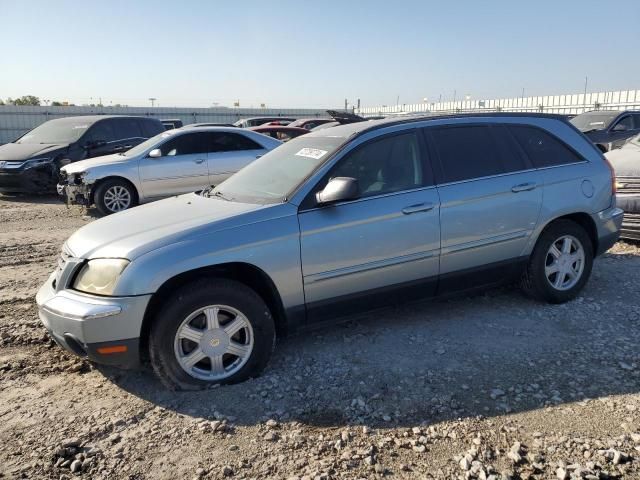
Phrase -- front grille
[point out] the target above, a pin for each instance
(628, 184)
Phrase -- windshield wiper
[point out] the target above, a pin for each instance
(221, 195)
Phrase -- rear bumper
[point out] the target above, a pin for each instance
(608, 224)
(103, 329)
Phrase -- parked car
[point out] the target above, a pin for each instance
(256, 121)
(173, 162)
(172, 123)
(284, 134)
(355, 217)
(608, 129)
(209, 124)
(339, 118)
(310, 123)
(31, 163)
(626, 163)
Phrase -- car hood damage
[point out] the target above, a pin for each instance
(134, 232)
(84, 165)
(17, 152)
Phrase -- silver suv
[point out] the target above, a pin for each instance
(352, 217)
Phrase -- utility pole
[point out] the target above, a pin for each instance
(345, 104)
(584, 99)
(153, 101)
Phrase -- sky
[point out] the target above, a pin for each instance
(314, 54)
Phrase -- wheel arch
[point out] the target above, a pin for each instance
(100, 181)
(585, 221)
(250, 275)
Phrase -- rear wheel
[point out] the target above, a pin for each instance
(211, 332)
(560, 264)
(115, 195)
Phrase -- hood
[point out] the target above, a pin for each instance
(24, 151)
(142, 229)
(626, 160)
(82, 165)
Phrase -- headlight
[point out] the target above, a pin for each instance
(36, 162)
(100, 275)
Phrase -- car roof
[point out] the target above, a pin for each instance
(281, 128)
(356, 128)
(95, 118)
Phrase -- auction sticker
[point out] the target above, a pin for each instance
(314, 153)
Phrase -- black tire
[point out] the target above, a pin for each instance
(104, 187)
(534, 280)
(189, 299)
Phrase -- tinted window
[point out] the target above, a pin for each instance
(390, 164)
(231, 142)
(467, 152)
(150, 127)
(127, 128)
(626, 121)
(636, 121)
(543, 149)
(102, 131)
(187, 144)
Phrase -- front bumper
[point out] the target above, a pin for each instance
(103, 329)
(77, 194)
(630, 203)
(27, 180)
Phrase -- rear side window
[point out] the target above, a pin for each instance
(636, 121)
(127, 128)
(187, 144)
(542, 148)
(150, 128)
(231, 142)
(476, 151)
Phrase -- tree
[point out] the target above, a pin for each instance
(55, 103)
(27, 100)
(1, 102)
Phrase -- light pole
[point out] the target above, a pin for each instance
(153, 101)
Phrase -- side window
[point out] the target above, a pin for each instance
(391, 164)
(187, 144)
(636, 121)
(103, 131)
(625, 121)
(467, 152)
(150, 128)
(127, 128)
(231, 142)
(542, 148)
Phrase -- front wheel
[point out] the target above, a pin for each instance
(560, 264)
(211, 332)
(112, 196)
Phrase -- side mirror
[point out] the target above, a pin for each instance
(155, 153)
(339, 189)
(620, 127)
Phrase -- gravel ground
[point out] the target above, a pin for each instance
(491, 386)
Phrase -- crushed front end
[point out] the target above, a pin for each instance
(74, 189)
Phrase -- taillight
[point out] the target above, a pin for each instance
(614, 187)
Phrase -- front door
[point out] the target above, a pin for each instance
(383, 245)
(182, 168)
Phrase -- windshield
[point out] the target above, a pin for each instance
(61, 131)
(147, 144)
(593, 121)
(274, 176)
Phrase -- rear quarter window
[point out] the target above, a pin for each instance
(542, 148)
(127, 128)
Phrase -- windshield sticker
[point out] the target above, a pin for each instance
(314, 153)
(80, 127)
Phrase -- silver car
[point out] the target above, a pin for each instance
(173, 162)
(346, 218)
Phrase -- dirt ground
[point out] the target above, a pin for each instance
(488, 386)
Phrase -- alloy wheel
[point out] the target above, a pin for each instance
(213, 342)
(564, 262)
(117, 198)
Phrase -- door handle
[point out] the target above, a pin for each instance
(523, 187)
(420, 207)
(199, 160)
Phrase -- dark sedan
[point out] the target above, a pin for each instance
(608, 129)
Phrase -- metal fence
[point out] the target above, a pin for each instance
(567, 104)
(16, 120)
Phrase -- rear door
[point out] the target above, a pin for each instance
(128, 134)
(182, 167)
(490, 196)
(382, 246)
(228, 152)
